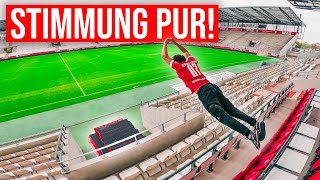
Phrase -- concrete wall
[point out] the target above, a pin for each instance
(152, 117)
(98, 167)
(73, 150)
(285, 49)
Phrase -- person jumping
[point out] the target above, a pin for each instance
(211, 96)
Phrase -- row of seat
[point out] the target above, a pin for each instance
(166, 158)
(159, 163)
(37, 162)
(206, 161)
(268, 42)
(40, 149)
(250, 76)
(304, 67)
(51, 168)
(237, 94)
(270, 71)
(311, 67)
(260, 162)
(154, 165)
(191, 100)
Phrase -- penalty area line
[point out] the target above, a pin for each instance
(75, 80)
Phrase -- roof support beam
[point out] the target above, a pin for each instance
(275, 19)
(263, 15)
(245, 16)
(266, 15)
(229, 16)
(289, 18)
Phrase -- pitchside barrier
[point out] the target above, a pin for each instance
(261, 114)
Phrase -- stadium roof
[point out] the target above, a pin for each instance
(2, 25)
(306, 4)
(264, 15)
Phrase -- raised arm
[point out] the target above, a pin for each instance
(165, 55)
(183, 49)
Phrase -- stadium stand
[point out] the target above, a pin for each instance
(31, 160)
(27, 49)
(207, 148)
(289, 148)
(77, 45)
(306, 4)
(185, 140)
(268, 42)
(2, 25)
(3, 43)
(204, 133)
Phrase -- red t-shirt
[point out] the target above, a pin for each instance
(190, 73)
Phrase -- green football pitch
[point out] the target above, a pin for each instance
(35, 84)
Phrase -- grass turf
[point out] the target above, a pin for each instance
(35, 84)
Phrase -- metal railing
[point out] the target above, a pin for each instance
(263, 112)
(64, 163)
(56, 130)
(17, 141)
(258, 82)
(59, 151)
(288, 140)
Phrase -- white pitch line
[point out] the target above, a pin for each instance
(84, 94)
(2, 115)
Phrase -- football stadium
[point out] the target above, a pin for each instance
(106, 110)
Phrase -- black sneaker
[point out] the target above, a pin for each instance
(261, 128)
(253, 137)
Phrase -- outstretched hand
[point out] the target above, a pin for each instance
(167, 41)
(172, 40)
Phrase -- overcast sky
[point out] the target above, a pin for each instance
(310, 18)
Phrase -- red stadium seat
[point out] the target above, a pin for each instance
(239, 176)
(253, 162)
(315, 165)
(285, 134)
(315, 176)
(252, 176)
(263, 162)
(276, 146)
(292, 124)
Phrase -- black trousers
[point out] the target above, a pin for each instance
(222, 109)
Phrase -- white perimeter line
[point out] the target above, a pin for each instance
(72, 75)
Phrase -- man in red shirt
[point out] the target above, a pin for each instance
(211, 96)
